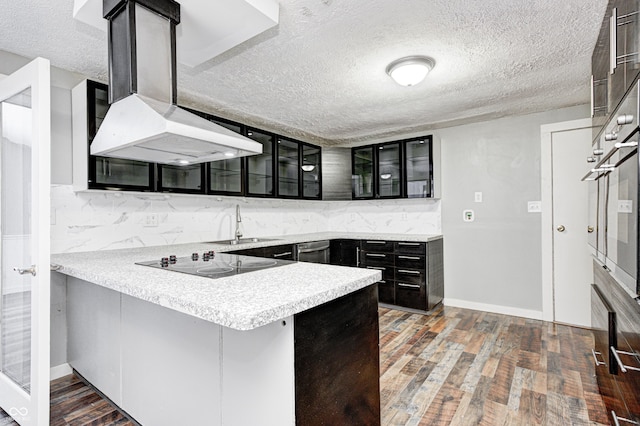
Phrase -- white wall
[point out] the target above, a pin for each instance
(494, 263)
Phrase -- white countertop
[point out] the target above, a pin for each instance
(242, 302)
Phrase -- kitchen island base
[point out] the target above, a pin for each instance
(165, 367)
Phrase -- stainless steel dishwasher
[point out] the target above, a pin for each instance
(315, 252)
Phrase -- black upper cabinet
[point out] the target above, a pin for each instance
(286, 168)
(181, 179)
(389, 170)
(260, 168)
(401, 169)
(311, 164)
(418, 167)
(299, 174)
(227, 177)
(106, 172)
(362, 177)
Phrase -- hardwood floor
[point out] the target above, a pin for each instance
(76, 404)
(454, 367)
(464, 367)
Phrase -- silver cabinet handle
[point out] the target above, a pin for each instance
(595, 358)
(376, 242)
(409, 285)
(592, 97)
(623, 368)
(377, 268)
(25, 271)
(358, 256)
(382, 282)
(409, 257)
(55, 267)
(409, 244)
(375, 255)
(590, 229)
(406, 271)
(624, 119)
(561, 228)
(616, 419)
(286, 253)
(613, 40)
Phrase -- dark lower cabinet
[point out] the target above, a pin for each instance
(345, 252)
(337, 362)
(615, 321)
(412, 272)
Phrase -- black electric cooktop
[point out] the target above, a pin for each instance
(214, 265)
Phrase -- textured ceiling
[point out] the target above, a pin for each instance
(320, 74)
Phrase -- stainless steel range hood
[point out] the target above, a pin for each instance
(143, 122)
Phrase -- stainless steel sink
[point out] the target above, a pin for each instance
(242, 241)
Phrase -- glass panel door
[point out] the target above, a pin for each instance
(225, 176)
(186, 179)
(25, 139)
(389, 178)
(260, 177)
(107, 172)
(311, 172)
(362, 178)
(419, 166)
(288, 168)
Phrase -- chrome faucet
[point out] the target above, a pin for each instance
(238, 222)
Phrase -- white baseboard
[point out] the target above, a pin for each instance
(60, 371)
(496, 309)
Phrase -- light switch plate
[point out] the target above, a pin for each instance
(534, 206)
(625, 206)
(478, 197)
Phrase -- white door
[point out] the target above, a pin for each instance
(569, 144)
(25, 133)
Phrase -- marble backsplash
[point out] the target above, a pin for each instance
(102, 220)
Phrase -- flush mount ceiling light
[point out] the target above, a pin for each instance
(410, 70)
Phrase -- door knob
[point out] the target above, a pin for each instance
(31, 270)
(560, 228)
(590, 229)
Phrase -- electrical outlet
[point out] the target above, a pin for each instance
(625, 206)
(151, 219)
(403, 216)
(468, 216)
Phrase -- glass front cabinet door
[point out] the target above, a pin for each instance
(362, 181)
(112, 173)
(260, 176)
(288, 168)
(311, 172)
(389, 174)
(419, 167)
(226, 177)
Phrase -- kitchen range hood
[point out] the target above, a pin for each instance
(143, 122)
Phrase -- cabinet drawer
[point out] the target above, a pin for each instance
(377, 259)
(387, 272)
(411, 295)
(377, 246)
(404, 261)
(411, 276)
(406, 247)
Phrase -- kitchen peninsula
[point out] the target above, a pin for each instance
(297, 343)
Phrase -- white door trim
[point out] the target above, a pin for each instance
(546, 191)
